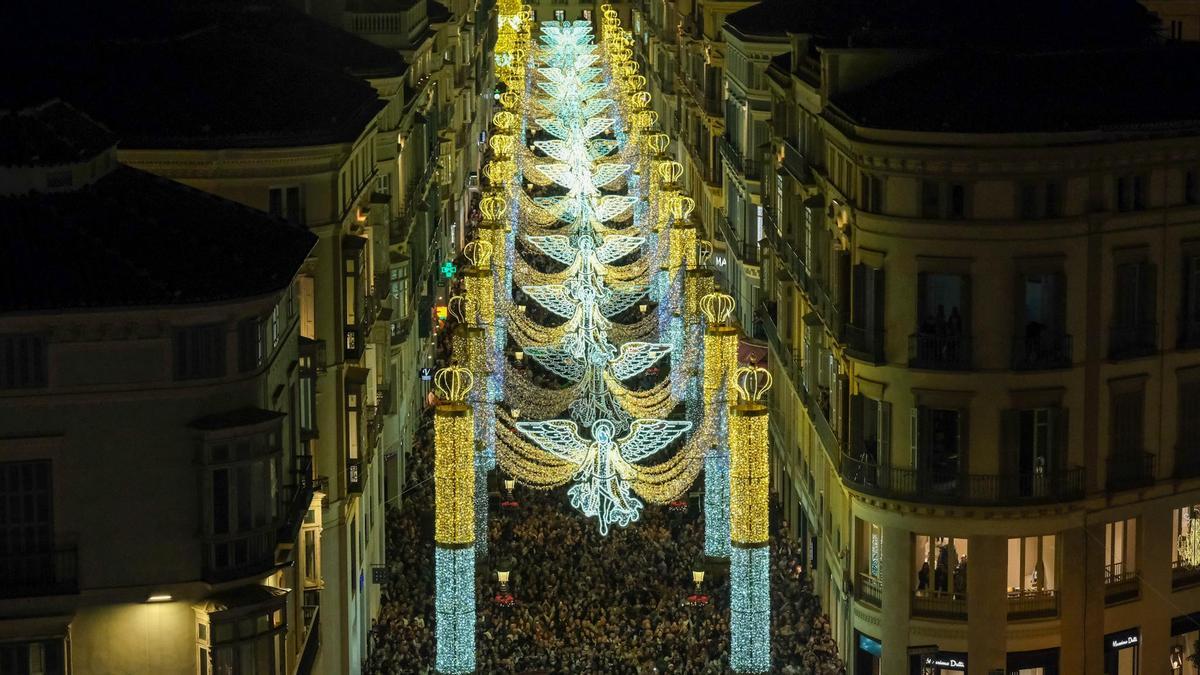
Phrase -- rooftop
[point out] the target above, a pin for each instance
(53, 133)
(1054, 92)
(999, 24)
(206, 74)
(134, 239)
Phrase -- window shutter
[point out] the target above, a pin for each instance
(965, 310)
(1185, 311)
(885, 433)
(1010, 442)
(1060, 435)
(876, 308)
(922, 297)
(856, 426)
(858, 303)
(1148, 287)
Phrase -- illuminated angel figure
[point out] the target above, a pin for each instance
(605, 464)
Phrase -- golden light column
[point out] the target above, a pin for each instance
(720, 360)
(454, 522)
(750, 557)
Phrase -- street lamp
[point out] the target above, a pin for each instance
(643, 307)
(502, 577)
(516, 413)
(698, 578)
(519, 355)
(509, 485)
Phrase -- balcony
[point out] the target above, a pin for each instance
(939, 605)
(1120, 584)
(796, 164)
(354, 477)
(312, 640)
(1024, 605)
(747, 167)
(939, 352)
(783, 355)
(27, 575)
(299, 499)
(1184, 575)
(746, 251)
(1131, 470)
(1045, 352)
(864, 474)
(864, 344)
(869, 590)
(1132, 341)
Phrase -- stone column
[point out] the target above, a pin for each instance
(1155, 569)
(1081, 599)
(896, 570)
(987, 603)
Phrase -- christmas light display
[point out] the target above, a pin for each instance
(454, 522)
(749, 482)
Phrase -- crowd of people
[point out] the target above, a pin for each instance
(585, 603)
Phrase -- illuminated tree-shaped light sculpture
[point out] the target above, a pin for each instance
(750, 557)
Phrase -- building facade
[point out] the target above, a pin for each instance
(980, 322)
(159, 512)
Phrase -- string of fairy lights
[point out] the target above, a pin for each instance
(587, 319)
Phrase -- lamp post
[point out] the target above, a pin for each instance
(698, 578)
(509, 484)
(502, 577)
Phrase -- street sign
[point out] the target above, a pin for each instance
(425, 373)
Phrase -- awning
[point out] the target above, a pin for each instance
(251, 597)
(236, 419)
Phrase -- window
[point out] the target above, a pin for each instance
(199, 352)
(1190, 311)
(943, 200)
(560, 15)
(1135, 306)
(871, 193)
(250, 346)
(1127, 410)
(1040, 339)
(1032, 564)
(1120, 550)
(248, 644)
(943, 307)
(243, 495)
(939, 451)
(352, 295)
(287, 202)
(1040, 200)
(353, 555)
(26, 525)
(1185, 536)
(1191, 186)
(22, 361)
(1034, 441)
(35, 657)
(275, 326)
(312, 574)
(308, 319)
(353, 422)
(1131, 192)
(1189, 423)
(1176, 28)
(941, 564)
(383, 183)
(865, 333)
